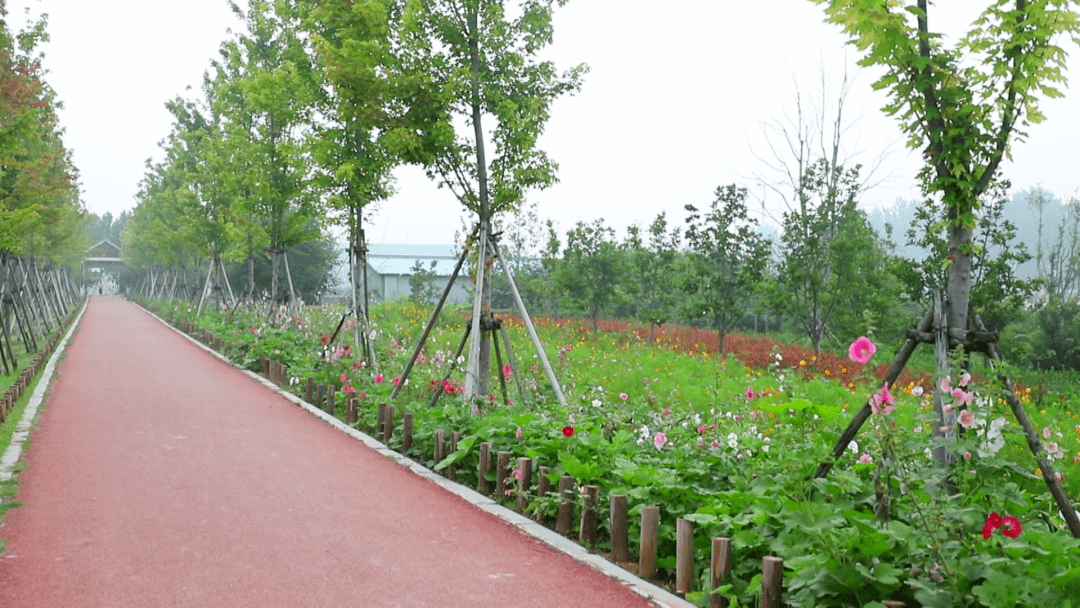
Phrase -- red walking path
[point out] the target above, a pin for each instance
(158, 475)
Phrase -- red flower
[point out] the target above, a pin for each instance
(993, 522)
(568, 431)
(1011, 526)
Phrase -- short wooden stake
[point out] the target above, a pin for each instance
(620, 535)
(440, 446)
(772, 581)
(388, 425)
(330, 391)
(720, 569)
(524, 482)
(379, 418)
(502, 472)
(564, 518)
(587, 533)
(543, 485)
(650, 533)
(482, 484)
(309, 389)
(684, 556)
(319, 392)
(452, 469)
(406, 432)
(350, 410)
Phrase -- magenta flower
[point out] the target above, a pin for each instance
(397, 380)
(517, 433)
(749, 392)
(861, 350)
(624, 396)
(568, 431)
(378, 378)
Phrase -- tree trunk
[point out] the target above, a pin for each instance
(959, 281)
(481, 371)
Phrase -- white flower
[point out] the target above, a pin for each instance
(853, 446)
(733, 440)
(597, 403)
(916, 391)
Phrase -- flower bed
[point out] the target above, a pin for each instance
(728, 445)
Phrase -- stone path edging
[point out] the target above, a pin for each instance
(22, 430)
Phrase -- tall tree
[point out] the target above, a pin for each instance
(263, 89)
(652, 283)
(725, 263)
(590, 270)
(830, 260)
(481, 56)
(963, 106)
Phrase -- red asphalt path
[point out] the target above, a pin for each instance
(158, 476)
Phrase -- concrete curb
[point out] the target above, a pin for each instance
(659, 596)
(22, 430)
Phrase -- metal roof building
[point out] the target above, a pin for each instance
(390, 266)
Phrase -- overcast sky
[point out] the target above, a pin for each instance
(674, 105)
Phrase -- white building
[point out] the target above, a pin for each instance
(390, 266)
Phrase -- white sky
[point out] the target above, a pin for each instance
(674, 104)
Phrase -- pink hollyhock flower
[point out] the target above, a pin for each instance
(701, 430)
(866, 458)
(517, 433)
(397, 380)
(966, 419)
(883, 402)
(962, 397)
(349, 388)
(946, 385)
(1046, 432)
(965, 378)
(660, 440)
(343, 378)
(667, 411)
(378, 378)
(517, 473)
(861, 350)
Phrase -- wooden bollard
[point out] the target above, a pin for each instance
(380, 417)
(772, 582)
(587, 532)
(650, 533)
(502, 472)
(452, 469)
(319, 392)
(482, 484)
(524, 482)
(330, 390)
(620, 535)
(440, 446)
(564, 517)
(406, 432)
(350, 410)
(309, 389)
(388, 424)
(684, 556)
(543, 485)
(720, 569)
(264, 366)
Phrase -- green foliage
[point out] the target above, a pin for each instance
(965, 105)
(652, 271)
(590, 269)
(832, 276)
(474, 61)
(725, 264)
(422, 287)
